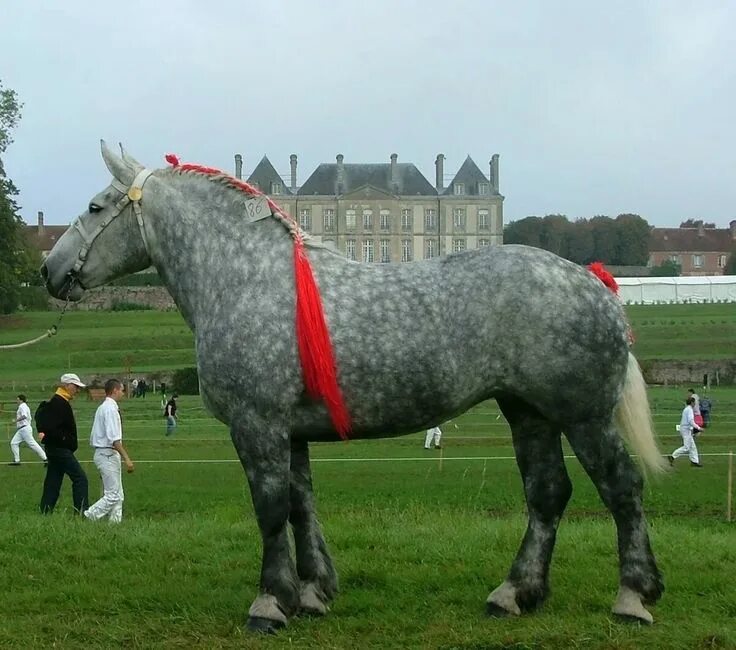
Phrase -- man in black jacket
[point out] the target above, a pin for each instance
(58, 429)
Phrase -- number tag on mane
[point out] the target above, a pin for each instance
(257, 209)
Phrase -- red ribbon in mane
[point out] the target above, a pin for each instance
(600, 271)
(312, 336)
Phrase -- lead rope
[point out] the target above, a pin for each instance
(52, 331)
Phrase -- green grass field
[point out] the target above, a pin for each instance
(419, 538)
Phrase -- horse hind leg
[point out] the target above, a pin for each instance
(547, 488)
(264, 455)
(619, 483)
(314, 566)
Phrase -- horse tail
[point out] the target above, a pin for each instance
(634, 420)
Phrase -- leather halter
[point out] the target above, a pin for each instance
(132, 194)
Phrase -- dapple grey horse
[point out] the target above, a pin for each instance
(540, 334)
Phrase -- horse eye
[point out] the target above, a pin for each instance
(93, 207)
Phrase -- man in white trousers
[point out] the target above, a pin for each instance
(107, 440)
(687, 426)
(434, 435)
(24, 433)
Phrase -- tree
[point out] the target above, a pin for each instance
(632, 240)
(667, 269)
(580, 244)
(555, 234)
(604, 239)
(730, 268)
(526, 231)
(15, 256)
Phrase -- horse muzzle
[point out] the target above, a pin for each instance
(63, 287)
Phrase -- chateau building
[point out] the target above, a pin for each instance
(698, 250)
(389, 212)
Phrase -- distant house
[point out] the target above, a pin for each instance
(698, 250)
(42, 237)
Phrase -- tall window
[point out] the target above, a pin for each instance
(430, 249)
(275, 188)
(697, 261)
(675, 259)
(406, 250)
(350, 249)
(430, 219)
(367, 250)
(407, 221)
(458, 245)
(367, 219)
(350, 221)
(458, 218)
(482, 243)
(305, 219)
(328, 219)
(385, 220)
(483, 189)
(459, 188)
(385, 250)
(721, 261)
(483, 221)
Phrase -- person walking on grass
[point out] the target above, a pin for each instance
(434, 435)
(687, 427)
(170, 415)
(107, 440)
(57, 430)
(24, 433)
(696, 408)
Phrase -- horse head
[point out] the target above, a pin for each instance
(107, 240)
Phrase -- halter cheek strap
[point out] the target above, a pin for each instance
(132, 194)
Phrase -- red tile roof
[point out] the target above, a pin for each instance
(47, 239)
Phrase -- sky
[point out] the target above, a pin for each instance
(594, 108)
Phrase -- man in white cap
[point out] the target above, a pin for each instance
(57, 429)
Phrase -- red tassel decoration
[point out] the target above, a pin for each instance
(172, 159)
(315, 347)
(600, 271)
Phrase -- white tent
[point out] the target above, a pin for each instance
(650, 291)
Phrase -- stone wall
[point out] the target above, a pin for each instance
(106, 298)
(720, 371)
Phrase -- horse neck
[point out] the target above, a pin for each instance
(204, 248)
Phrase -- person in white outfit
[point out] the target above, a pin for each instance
(687, 427)
(107, 440)
(434, 435)
(24, 432)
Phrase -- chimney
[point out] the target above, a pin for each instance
(494, 173)
(440, 171)
(238, 166)
(394, 173)
(701, 229)
(732, 227)
(292, 162)
(40, 223)
(340, 174)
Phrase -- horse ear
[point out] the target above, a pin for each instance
(128, 159)
(115, 164)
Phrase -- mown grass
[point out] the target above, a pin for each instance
(418, 543)
(419, 538)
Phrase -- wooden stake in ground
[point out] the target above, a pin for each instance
(729, 497)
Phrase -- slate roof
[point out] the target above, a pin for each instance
(691, 239)
(410, 181)
(471, 176)
(264, 174)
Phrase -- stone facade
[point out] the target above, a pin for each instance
(106, 298)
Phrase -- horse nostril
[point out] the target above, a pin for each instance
(44, 273)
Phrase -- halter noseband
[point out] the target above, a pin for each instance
(132, 194)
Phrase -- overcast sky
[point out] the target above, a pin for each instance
(594, 107)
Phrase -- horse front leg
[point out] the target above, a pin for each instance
(265, 455)
(547, 489)
(313, 562)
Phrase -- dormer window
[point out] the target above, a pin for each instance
(459, 188)
(483, 189)
(275, 188)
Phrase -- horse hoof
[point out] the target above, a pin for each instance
(311, 600)
(628, 607)
(264, 625)
(502, 601)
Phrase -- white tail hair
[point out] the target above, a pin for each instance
(634, 420)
